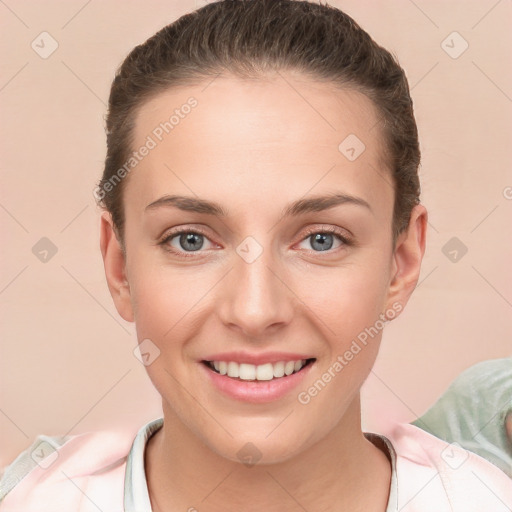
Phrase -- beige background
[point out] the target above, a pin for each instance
(66, 359)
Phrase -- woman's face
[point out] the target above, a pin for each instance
(261, 279)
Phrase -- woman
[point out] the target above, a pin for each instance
(260, 242)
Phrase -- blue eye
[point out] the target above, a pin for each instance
(323, 239)
(191, 241)
(187, 241)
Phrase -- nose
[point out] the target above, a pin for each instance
(257, 299)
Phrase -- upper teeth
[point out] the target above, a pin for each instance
(257, 372)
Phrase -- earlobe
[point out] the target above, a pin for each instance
(115, 268)
(407, 257)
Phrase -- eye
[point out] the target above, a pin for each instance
(184, 241)
(323, 239)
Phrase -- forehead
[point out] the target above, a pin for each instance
(285, 133)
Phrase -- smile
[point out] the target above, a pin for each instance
(251, 372)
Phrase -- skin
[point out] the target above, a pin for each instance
(254, 146)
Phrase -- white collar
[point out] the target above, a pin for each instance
(136, 496)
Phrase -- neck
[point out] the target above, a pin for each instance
(341, 471)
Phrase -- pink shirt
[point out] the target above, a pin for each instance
(105, 471)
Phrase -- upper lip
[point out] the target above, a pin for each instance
(257, 359)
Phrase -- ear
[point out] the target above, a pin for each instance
(407, 256)
(115, 267)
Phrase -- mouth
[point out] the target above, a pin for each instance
(263, 372)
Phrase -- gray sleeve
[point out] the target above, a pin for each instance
(472, 412)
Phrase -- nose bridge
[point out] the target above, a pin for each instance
(256, 298)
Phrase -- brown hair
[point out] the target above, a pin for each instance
(246, 38)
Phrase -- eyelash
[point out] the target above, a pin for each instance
(311, 231)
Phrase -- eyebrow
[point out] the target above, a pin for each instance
(316, 203)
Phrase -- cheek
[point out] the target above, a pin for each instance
(349, 298)
(348, 304)
(160, 295)
(163, 309)
(351, 326)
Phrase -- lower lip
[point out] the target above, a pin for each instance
(256, 391)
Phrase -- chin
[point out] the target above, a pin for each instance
(259, 450)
